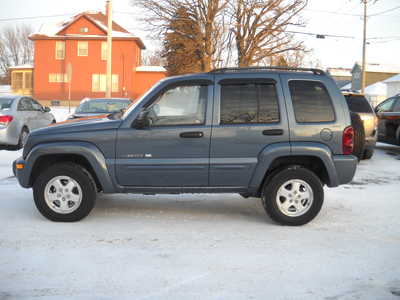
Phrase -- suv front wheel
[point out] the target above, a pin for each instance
(293, 196)
(64, 192)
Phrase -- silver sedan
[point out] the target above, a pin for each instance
(19, 115)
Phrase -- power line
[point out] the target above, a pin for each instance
(333, 12)
(385, 11)
(34, 17)
(320, 35)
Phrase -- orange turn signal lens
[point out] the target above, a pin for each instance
(19, 166)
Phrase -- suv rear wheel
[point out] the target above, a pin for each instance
(293, 196)
(64, 192)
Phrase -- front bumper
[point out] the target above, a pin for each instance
(22, 174)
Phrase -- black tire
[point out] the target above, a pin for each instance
(53, 122)
(278, 180)
(368, 153)
(359, 135)
(77, 173)
(22, 137)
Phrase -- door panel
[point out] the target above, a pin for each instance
(249, 115)
(165, 155)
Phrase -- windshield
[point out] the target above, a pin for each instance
(5, 103)
(358, 104)
(102, 106)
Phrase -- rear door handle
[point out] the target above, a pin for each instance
(191, 134)
(273, 132)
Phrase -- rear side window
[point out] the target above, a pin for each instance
(249, 103)
(358, 104)
(311, 102)
(396, 106)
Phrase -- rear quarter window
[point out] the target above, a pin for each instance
(358, 104)
(311, 102)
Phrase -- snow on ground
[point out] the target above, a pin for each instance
(208, 246)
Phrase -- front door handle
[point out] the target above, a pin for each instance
(273, 132)
(191, 134)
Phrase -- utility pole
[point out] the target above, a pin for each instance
(363, 74)
(109, 49)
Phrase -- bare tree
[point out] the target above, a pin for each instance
(153, 58)
(206, 13)
(260, 28)
(15, 47)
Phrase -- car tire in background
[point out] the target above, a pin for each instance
(23, 136)
(293, 196)
(65, 192)
(359, 136)
(368, 153)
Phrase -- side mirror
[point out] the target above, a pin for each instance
(142, 121)
(46, 109)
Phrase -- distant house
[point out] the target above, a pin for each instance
(70, 61)
(393, 85)
(374, 73)
(22, 79)
(342, 76)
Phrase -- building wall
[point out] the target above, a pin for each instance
(393, 88)
(144, 81)
(125, 58)
(371, 78)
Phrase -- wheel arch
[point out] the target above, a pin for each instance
(82, 153)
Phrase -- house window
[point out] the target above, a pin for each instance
(28, 80)
(84, 29)
(103, 50)
(60, 50)
(17, 80)
(83, 49)
(58, 77)
(99, 83)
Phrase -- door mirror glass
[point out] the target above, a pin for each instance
(46, 109)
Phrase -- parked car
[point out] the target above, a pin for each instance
(359, 105)
(19, 115)
(100, 106)
(279, 134)
(388, 113)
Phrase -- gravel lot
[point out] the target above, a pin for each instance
(207, 246)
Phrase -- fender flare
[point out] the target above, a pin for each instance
(274, 151)
(87, 150)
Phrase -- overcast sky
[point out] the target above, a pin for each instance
(331, 52)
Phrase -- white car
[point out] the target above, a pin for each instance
(19, 115)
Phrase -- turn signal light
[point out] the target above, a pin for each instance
(5, 120)
(19, 166)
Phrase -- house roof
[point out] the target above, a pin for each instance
(150, 69)
(378, 68)
(54, 31)
(26, 66)
(342, 72)
(395, 78)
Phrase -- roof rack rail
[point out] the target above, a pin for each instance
(225, 70)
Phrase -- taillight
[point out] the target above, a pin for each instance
(348, 140)
(5, 120)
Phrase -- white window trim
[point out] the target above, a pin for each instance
(79, 48)
(58, 44)
(99, 83)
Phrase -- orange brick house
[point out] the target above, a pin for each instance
(70, 61)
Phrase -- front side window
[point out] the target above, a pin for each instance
(83, 48)
(311, 102)
(396, 106)
(181, 105)
(249, 103)
(25, 105)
